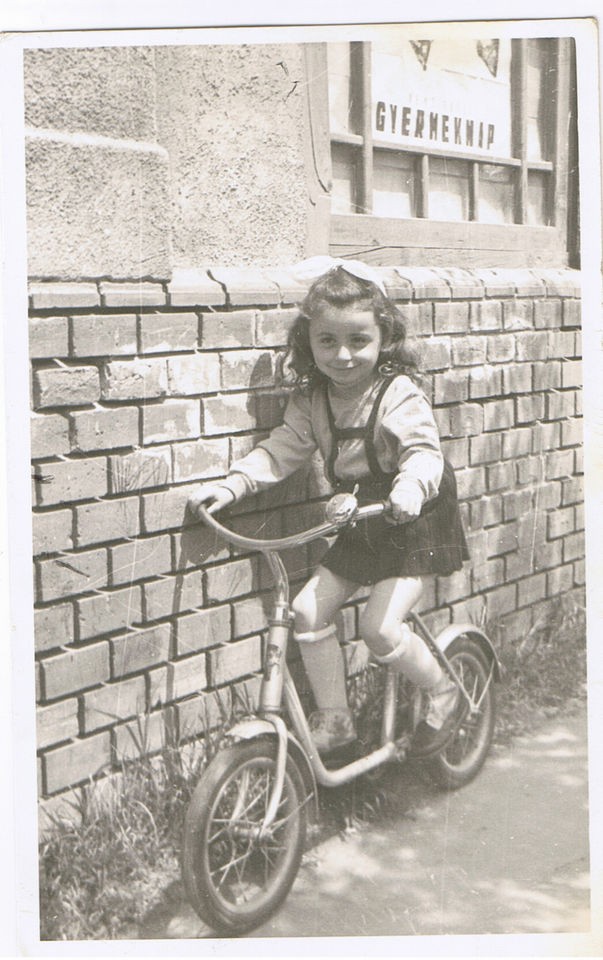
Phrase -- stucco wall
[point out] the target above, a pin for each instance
(231, 119)
(105, 90)
(142, 160)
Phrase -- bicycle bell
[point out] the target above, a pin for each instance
(342, 508)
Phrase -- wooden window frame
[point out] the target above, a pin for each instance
(423, 242)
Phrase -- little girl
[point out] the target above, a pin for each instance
(357, 402)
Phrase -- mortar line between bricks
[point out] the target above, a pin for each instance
(134, 309)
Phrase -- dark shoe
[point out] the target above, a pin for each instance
(440, 723)
(331, 729)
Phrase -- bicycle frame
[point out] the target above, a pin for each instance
(277, 683)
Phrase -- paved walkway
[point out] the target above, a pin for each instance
(508, 854)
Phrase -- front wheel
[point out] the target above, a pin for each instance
(234, 877)
(463, 757)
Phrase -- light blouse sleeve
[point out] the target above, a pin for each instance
(409, 424)
(287, 448)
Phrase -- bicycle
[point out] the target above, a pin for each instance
(245, 827)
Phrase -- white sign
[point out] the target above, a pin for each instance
(452, 95)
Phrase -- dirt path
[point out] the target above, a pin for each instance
(507, 854)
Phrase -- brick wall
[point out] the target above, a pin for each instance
(140, 391)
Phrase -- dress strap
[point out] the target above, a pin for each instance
(330, 415)
(335, 437)
(369, 440)
(353, 433)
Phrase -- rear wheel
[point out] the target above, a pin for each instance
(463, 756)
(236, 878)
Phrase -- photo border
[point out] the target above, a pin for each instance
(19, 807)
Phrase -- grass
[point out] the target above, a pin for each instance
(101, 870)
(545, 672)
(100, 878)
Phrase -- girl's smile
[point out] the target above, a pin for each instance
(346, 343)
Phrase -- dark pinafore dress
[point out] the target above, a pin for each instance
(375, 550)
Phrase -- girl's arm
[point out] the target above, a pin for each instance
(411, 437)
(281, 454)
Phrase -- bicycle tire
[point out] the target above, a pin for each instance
(234, 882)
(464, 755)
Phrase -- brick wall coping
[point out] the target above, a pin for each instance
(253, 286)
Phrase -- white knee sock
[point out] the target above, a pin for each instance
(413, 658)
(323, 662)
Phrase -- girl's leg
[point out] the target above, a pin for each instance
(394, 643)
(390, 639)
(315, 607)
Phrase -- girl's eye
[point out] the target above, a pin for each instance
(359, 341)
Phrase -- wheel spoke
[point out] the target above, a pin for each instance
(268, 861)
(241, 863)
(241, 794)
(216, 836)
(234, 861)
(486, 686)
(241, 866)
(226, 868)
(252, 800)
(292, 813)
(247, 798)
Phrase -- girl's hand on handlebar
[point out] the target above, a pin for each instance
(404, 503)
(212, 496)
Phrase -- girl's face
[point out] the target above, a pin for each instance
(345, 343)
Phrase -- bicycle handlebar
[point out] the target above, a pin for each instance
(296, 539)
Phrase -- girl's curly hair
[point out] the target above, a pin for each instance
(339, 288)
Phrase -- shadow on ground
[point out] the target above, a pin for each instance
(507, 854)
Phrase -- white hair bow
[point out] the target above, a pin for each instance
(314, 267)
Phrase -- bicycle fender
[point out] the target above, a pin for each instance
(454, 630)
(256, 727)
(251, 728)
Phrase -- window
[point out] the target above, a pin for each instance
(451, 152)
